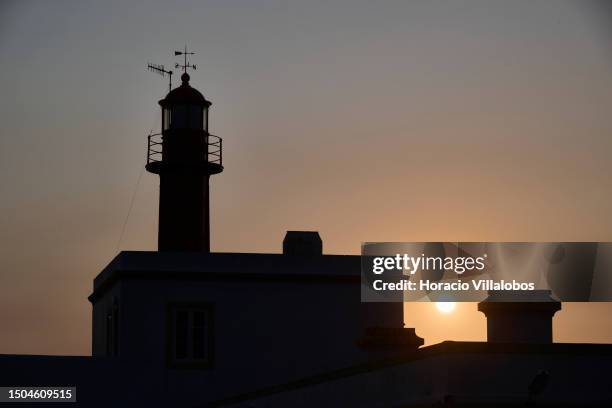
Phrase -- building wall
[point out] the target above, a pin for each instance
(265, 332)
(99, 323)
(99, 381)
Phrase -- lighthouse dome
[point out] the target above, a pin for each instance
(184, 95)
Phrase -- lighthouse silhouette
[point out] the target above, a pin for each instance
(184, 156)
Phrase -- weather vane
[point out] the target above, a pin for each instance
(160, 69)
(185, 64)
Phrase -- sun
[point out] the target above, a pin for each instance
(445, 307)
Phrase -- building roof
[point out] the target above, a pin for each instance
(184, 95)
(227, 266)
(440, 349)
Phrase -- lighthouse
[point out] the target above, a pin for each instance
(184, 155)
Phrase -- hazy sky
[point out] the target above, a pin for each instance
(368, 121)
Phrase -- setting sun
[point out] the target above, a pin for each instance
(445, 307)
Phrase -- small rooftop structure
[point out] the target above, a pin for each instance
(302, 243)
(519, 316)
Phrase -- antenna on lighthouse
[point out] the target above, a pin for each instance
(185, 63)
(160, 69)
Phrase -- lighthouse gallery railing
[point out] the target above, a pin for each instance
(215, 149)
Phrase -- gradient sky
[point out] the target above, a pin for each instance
(367, 121)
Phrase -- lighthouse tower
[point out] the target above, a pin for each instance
(184, 156)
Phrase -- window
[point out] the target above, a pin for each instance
(190, 337)
(166, 118)
(184, 117)
(195, 117)
(112, 330)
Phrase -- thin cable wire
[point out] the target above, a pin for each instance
(127, 217)
(133, 199)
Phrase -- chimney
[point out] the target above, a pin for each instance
(302, 243)
(383, 332)
(519, 316)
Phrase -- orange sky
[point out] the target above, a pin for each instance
(400, 121)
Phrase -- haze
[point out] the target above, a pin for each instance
(367, 121)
